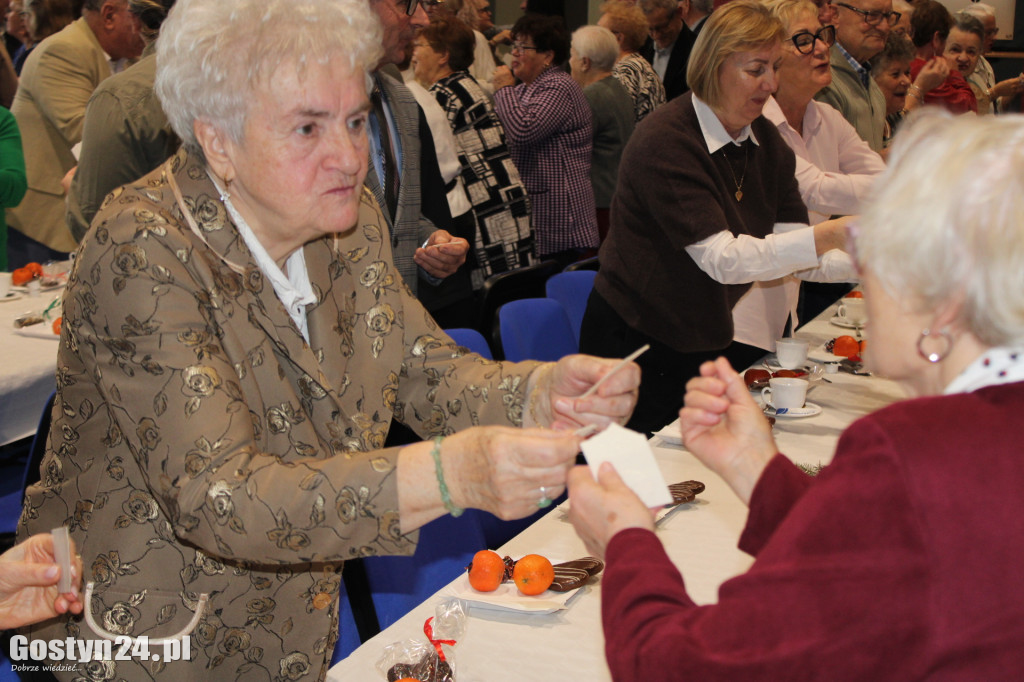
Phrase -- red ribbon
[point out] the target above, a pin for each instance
(429, 632)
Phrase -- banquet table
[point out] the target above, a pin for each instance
(27, 373)
(700, 537)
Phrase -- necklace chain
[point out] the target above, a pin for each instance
(739, 184)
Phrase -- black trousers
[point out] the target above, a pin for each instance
(664, 370)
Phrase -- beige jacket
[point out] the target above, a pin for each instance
(200, 446)
(56, 83)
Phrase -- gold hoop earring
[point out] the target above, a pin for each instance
(934, 357)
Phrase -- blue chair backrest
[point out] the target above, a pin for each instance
(400, 583)
(535, 329)
(572, 289)
(471, 339)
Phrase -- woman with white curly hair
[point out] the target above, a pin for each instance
(236, 342)
(901, 560)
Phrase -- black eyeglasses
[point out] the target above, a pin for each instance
(804, 40)
(521, 47)
(873, 17)
(410, 9)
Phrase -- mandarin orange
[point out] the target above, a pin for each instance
(845, 346)
(486, 571)
(533, 574)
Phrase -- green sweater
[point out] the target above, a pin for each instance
(12, 174)
(864, 109)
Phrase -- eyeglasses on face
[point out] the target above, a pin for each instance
(520, 47)
(428, 5)
(873, 17)
(804, 40)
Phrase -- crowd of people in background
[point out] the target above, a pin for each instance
(535, 117)
(711, 173)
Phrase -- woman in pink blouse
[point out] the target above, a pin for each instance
(901, 560)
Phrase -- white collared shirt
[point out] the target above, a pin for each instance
(834, 165)
(999, 365)
(661, 57)
(294, 290)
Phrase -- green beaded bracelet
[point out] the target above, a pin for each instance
(445, 496)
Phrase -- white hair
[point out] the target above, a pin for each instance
(980, 10)
(943, 224)
(597, 44)
(212, 54)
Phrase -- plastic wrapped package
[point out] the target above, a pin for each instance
(431, 659)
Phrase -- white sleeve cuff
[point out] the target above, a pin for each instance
(729, 259)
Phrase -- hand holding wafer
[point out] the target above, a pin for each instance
(29, 577)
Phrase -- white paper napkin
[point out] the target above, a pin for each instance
(631, 455)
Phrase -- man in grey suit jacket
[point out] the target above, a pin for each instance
(425, 252)
(56, 83)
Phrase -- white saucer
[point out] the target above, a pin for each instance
(11, 296)
(845, 323)
(808, 410)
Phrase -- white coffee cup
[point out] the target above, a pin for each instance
(785, 393)
(5, 284)
(853, 309)
(791, 353)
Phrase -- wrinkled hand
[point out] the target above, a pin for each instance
(501, 469)
(1009, 87)
(724, 428)
(28, 583)
(600, 509)
(442, 255)
(502, 78)
(932, 74)
(566, 380)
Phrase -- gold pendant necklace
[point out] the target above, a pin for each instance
(739, 184)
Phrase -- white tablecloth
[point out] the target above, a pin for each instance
(27, 369)
(700, 537)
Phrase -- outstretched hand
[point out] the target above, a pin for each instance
(724, 428)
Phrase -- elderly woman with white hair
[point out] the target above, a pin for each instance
(901, 559)
(236, 342)
(592, 56)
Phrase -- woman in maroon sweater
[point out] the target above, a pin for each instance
(902, 559)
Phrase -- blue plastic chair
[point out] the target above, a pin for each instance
(11, 503)
(471, 339)
(572, 289)
(399, 583)
(535, 329)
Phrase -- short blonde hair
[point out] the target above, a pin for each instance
(629, 20)
(790, 11)
(953, 236)
(738, 26)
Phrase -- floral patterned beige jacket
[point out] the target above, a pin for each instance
(200, 447)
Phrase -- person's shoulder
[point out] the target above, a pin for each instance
(942, 418)
(134, 82)
(7, 119)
